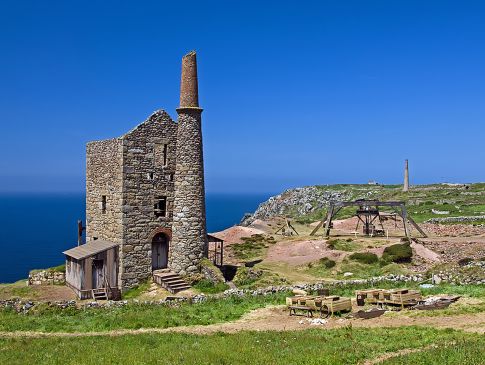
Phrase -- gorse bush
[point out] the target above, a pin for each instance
(364, 257)
(326, 262)
(400, 252)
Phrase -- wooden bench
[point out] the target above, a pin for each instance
(294, 308)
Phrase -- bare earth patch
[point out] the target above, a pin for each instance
(297, 253)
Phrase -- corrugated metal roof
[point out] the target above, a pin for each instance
(89, 249)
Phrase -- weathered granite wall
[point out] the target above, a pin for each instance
(104, 178)
(189, 220)
(146, 176)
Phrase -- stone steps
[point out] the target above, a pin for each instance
(169, 281)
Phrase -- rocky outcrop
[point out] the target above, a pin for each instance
(296, 202)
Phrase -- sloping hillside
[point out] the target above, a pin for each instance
(440, 202)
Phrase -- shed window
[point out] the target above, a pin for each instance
(103, 204)
(160, 206)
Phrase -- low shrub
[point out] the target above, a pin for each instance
(246, 276)
(465, 261)
(400, 252)
(208, 287)
(343, 244)
(364, 257)
(326, 262)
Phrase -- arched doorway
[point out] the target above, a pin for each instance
(160, 251)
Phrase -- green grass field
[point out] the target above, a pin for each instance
(314, 346)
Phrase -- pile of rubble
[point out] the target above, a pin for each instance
(453, 230)
(453, 252)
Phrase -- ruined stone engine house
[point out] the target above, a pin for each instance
(145, 201)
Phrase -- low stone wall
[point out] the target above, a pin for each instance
(21, 306)
(46, 277)
(476, 218)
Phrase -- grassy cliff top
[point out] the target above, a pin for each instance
(423, 201)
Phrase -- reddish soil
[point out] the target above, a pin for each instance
(234, 234)
(301, 252)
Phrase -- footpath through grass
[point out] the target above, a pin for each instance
(314, 346)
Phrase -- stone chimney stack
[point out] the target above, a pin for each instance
(189, 88)
(189, 233)
(406, 176)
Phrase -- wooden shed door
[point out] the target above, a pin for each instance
(98, 274)
(159, 251)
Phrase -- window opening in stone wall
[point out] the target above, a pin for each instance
(103, 204)
(165, 149)
(160, 206)
(150, 176)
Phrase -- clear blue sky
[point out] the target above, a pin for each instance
(294, 93)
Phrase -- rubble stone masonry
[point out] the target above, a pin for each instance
(126, 177)
(189, 220)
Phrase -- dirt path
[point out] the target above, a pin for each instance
(277, 319)
(402, 352)
(425, 252)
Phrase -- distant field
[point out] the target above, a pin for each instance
(315, 346)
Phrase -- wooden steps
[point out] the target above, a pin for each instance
(169, 281)
(99, 294)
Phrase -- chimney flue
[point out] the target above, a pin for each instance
(189, 90)
(406, 176)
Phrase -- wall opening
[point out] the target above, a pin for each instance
(103, 204)
(160, 206)
(164, 158)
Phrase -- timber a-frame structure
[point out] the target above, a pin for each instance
(368, 212)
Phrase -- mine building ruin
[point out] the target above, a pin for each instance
(145, 203)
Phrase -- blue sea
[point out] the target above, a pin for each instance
(36, 228)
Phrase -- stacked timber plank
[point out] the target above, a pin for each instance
(323, 304)
(402, 297)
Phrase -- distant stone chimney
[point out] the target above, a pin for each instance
(189, 236)
(406, 176)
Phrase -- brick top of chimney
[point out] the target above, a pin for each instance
(189, 94)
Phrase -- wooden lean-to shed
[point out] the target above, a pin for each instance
(92, 270)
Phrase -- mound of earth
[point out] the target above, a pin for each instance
(235, 233)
